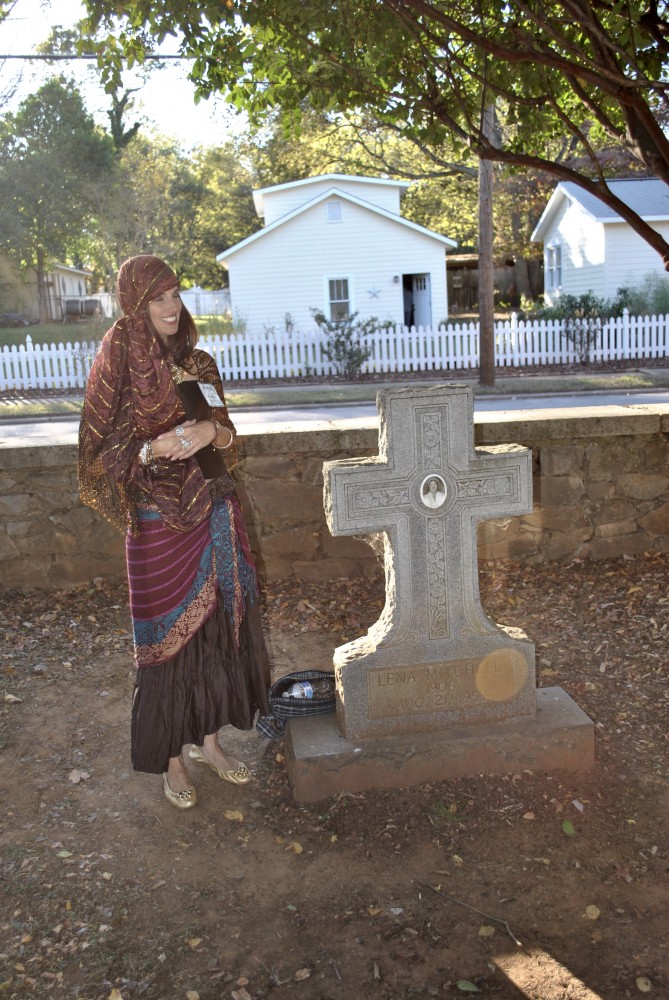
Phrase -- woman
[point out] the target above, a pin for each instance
(199, 650)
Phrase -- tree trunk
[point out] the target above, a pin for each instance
(486, 268)
(42, 301)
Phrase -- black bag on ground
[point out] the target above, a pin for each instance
(284, 708)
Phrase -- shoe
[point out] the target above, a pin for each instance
(182, 800)
(239, 776)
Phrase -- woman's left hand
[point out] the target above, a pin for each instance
(184, 440)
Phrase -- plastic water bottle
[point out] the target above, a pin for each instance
(301, 689)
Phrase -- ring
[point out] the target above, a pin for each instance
(185, 444)
(179, 431)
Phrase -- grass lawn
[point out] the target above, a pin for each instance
(54, 333)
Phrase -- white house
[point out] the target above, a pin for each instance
(336, 243)
(589, 248)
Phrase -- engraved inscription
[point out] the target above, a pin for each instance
(487, 685)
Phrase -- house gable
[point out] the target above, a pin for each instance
(331, 194)
(272, 203)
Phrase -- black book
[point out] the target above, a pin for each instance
(210, 460)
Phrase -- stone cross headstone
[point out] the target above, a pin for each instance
(434, 658)
(435, 689)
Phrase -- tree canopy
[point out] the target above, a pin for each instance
(52, 155)
(567, 77)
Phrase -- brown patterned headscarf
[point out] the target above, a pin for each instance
(130, 399)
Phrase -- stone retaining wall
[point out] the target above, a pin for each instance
(601, 489)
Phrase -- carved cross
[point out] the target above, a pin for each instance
(426, 492)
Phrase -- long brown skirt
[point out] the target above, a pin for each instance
(210, 683)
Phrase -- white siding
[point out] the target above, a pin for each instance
(629, 258)
(583, 250)
(286, 200)
(284, 271)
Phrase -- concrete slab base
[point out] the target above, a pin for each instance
(321, 762)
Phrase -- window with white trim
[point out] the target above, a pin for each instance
(339, 298)
(554, 266)
(334, 211)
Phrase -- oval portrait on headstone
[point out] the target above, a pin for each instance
(433, 491)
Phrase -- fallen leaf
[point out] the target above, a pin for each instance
(194, 942)
(302, 974)
(64, 854)
(374, 911)
(457, 860)
(76, 776)
(486, 931)
(592, 912)
(12, 699)
(643, 984)
(568, 828)
(466, 986)
(192, 995)
(333, 839)
(529, 815)
(107, 876)
(234, 814)
(115, 995)
(295, 847)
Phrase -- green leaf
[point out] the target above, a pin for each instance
(568, 828)
(466, 986)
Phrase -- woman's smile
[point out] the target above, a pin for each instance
(164, 312)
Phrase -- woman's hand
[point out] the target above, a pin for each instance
(184, 440)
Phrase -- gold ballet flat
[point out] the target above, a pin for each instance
(181, 800)
(238, 776)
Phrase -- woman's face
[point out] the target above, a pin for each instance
(164, 313)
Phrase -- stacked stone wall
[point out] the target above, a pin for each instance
(601, 489)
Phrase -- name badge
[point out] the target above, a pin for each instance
(210, 394)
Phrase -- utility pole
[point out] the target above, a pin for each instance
(486, 267)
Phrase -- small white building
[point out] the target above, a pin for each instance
(338, 244)
(589, 248)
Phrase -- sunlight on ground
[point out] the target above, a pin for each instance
(537, 974)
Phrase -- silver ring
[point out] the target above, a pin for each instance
(179, 431)
(185, 444)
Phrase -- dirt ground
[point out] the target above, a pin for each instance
(524, 886)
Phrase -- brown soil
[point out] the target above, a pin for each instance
(524, 886)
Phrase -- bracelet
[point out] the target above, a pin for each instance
(218, 428)
(146, 456)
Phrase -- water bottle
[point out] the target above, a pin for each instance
(301, 689)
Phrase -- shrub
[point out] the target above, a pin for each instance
(343, 344)
(651, 298)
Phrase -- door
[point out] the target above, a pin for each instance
(422, 300)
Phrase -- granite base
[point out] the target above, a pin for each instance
(321, 762)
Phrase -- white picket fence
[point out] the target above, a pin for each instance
(256, 356)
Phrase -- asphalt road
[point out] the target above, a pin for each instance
(64, 430)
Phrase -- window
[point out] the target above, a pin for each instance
(334, 211)
(340, 304)
(554, 267)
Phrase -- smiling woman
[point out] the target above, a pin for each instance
(199, 649)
